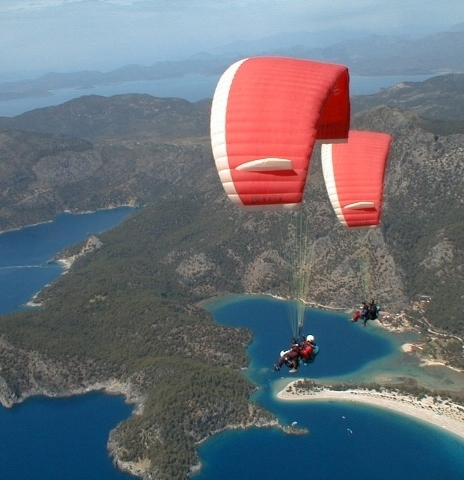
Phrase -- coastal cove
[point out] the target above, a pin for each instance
(349, 440)
(192, 87)
(442, 414)
(59, 437)
(26, 254)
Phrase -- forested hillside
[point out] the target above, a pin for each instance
(96, 152)
(127, 312)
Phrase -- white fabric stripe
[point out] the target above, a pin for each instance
(225, 177)
(360, 205)
(278, 207)
(218, 127)
(266, 164)
(222, 163)
(229, 188)
(329, 178)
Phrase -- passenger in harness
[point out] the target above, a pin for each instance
(362, 313)
(289, 357)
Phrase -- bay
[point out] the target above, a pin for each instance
(348, 441)
(193, 87)
(64, 438)
(25, 253)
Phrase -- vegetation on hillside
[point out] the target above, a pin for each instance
(128, 310)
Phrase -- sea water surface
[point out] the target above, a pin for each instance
(44, 438)
(192, 87)
(25, 254)
(346, 441)
(61, 438)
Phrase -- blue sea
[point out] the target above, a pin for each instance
(60, 439)
(193, 87)
(25, 253)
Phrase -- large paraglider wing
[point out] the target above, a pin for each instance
(354, 175)
(266, 115)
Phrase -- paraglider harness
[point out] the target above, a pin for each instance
(300, 341)
(312, 356)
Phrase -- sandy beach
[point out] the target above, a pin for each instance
(443, 414)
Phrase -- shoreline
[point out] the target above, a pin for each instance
(75, 212)
(317, 306)
(442, 414)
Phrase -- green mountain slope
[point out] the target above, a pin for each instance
(125, 317)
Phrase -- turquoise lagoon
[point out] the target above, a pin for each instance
(346, 441)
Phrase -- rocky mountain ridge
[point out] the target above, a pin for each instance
(438, 98)
(96, 152)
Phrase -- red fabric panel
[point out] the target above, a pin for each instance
(333, 123)
(359, 170)
(274, 110)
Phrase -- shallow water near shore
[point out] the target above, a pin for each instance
(346, 440)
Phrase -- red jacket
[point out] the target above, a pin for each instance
(306, 351)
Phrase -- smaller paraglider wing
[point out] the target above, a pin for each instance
(354, 175)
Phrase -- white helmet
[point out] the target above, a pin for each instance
(310, 338)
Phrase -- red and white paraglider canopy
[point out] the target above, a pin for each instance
(266, 115)
(354, 177)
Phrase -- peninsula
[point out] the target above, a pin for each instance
(436, 410)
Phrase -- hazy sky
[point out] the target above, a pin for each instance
(70, 35)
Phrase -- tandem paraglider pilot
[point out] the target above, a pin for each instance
(302, 352)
